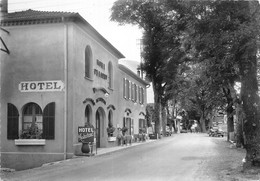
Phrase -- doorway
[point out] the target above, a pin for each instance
(100, 115)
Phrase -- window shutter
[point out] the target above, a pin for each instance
(132, 127)
(129, 90)
(124, 84)
(124, 122)
(49, 121)
(12, 122)
(142, 95)
(139, 93)
(133, 92)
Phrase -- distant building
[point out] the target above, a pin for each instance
(61, 74)
(135, 67)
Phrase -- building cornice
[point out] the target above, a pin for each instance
(32, 17)
(132, 74)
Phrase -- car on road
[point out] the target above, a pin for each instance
(216, 132)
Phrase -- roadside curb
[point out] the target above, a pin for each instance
(116, 149)
(124, 147)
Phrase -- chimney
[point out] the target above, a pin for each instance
(4, 8)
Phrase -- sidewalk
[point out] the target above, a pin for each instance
(100, 151)
(103, 151)
(10, 174)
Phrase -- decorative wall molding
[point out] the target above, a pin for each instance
(89, 100)
(111, 107)
(100, 99)
(142, 113)
(102, 89)
(128, 110)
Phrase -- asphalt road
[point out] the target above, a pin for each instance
(177, 158)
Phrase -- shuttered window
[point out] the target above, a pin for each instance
(136, 93)
(129, 90)
(124, 90)
(133, 92)
(139, 94)
(142, 94)
(12, 122)
(49, 121)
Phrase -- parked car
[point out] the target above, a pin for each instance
(184, 131)
(216, 132)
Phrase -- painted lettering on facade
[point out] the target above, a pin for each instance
(101, 64)
(41, 86)
(99, 73)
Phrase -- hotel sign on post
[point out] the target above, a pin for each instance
(86, 134)
(41, 86)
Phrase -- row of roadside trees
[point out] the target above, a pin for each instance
(194, 53)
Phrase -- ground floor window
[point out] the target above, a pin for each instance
(110, 126)
(129, 123)
(36, 124)
(142, 125)
(32, 121)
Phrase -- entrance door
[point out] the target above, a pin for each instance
(98, 129)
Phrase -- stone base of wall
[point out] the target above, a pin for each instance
(23, 161)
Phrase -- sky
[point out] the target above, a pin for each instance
(97, 13)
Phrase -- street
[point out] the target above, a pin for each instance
(179, 157)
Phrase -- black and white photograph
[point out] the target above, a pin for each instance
(133, 90)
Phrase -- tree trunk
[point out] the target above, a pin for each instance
(239, 123)
(157, 112)
(202, 122)
(229, 109)
(164, 121)
(250, 99)
(230, 120)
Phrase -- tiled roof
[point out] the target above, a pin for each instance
(33, 14)
(30, 17)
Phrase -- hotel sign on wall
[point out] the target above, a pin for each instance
(41, 86)
(99, 73)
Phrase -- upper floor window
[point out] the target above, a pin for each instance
(110, 75)
(142, 95)
(124, 89)
(136, 94)
(88, 62)
(127, 89)
(132, 91)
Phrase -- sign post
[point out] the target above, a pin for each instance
(86, 137)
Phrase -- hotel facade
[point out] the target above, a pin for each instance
(58, 74)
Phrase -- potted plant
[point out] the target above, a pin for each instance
(31, 136)
(110, 131)
(142, 130)
(124, 130)
(32, 133)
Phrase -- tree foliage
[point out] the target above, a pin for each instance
(162, 41)
(219, 36)
(224, 34)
